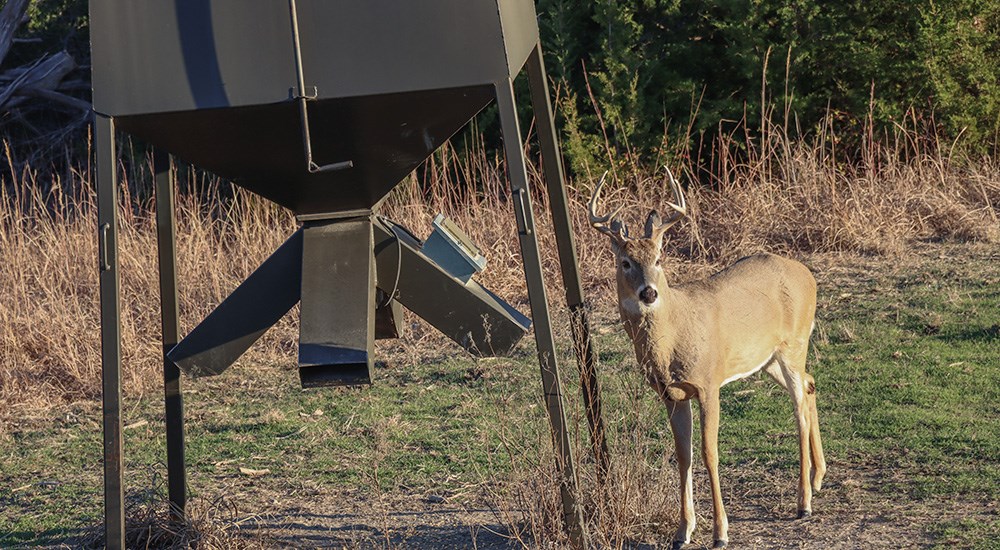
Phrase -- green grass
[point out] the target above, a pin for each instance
(423, 426)
(907, 363)
(919, 382)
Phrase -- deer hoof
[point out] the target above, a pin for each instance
(720, 544)
(803, 514)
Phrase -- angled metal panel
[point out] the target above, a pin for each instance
(469, 314)
(255, 306)
(385, 137)
(337, 327)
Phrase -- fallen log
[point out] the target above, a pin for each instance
(44, 74)
(55, 97)
(43, 78)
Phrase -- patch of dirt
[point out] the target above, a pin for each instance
(852, 511)
(444, 528)
(350, 520)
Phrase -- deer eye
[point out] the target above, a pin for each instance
(626, 265)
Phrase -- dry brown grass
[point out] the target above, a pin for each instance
(781, 195)
(208, 526)
(637, 502)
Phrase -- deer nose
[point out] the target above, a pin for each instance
(648, 295)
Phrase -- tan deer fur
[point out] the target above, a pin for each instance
(692, 339)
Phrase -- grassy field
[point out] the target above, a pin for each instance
(447, 451)
(907, 362)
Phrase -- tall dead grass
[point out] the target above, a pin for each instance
(637, 503)
(780, 195)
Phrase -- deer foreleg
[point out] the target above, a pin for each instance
(680, 425)
(709, 405)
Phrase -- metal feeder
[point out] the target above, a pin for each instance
(324, 107)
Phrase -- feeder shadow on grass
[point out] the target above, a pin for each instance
(452, 528)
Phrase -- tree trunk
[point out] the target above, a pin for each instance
(11, 17)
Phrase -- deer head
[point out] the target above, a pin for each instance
(638, 272)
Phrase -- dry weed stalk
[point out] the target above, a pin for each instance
(638, 501)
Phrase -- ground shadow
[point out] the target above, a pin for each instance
(52, 538)
(413, 529)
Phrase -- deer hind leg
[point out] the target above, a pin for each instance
(789, 372)
(680, 425)
(709, 405)
(815, 442)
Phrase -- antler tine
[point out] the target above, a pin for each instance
(601, 222)
(680, 207)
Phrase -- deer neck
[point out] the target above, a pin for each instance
(652, 329)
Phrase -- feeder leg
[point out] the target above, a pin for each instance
(579, 317)
(107, 243)
(173, 399)
(521, 194)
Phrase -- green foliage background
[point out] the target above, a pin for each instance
(652, 64)
(663, 74)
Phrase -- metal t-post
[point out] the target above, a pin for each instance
(552, 388)
(107, 244)
(555, 181)
(163, 177)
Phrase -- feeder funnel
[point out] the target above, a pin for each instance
(322, 107)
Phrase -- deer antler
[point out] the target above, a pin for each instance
(679, 207)
(616, 229)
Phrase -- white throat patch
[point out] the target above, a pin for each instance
(635, 306)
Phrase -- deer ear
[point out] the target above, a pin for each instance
(652, 221)
(619, 227)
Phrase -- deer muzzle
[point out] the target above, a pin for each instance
(648, 294)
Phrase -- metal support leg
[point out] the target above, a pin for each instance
(173, 399)
(544, 340)
(579, 314)
(107, 243)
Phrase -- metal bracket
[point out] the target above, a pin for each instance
(102, 246)
(297, 94)
(341, 215)
(302, 98)
(524, 220)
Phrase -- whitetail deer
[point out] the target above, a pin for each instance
(694, 338)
